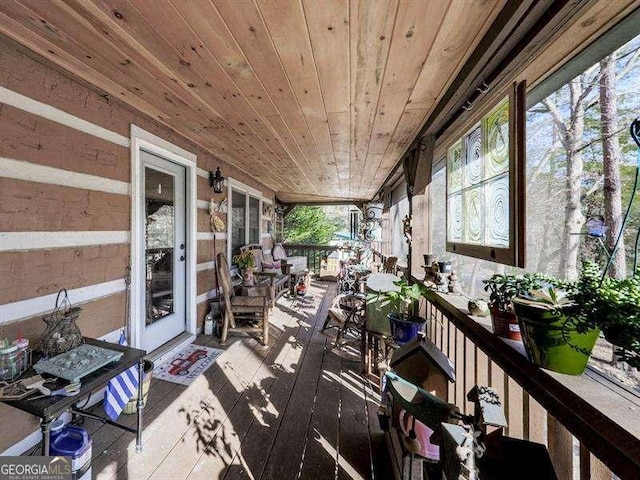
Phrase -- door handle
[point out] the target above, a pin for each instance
(184, 252)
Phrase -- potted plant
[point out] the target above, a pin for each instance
(405, 324)
(613, 306)
(549, 329)
(502, 289)
(246, 263)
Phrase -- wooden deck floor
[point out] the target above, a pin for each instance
(286, 411)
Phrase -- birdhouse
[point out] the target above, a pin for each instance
(415, 413)
(424, 365)
(488, 408)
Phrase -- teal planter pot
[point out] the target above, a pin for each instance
(551, 340)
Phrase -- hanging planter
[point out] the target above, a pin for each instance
(551, 338)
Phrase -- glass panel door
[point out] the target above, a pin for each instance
(160, 243)
(163, 235)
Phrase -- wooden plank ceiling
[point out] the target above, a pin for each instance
(316, 99)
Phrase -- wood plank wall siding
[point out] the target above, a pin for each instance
(331, 92)
(65, 204)
(560, 411)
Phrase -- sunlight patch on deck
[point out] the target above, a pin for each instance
(333, 453)
(347, 385)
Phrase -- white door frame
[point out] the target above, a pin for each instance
(143, 140)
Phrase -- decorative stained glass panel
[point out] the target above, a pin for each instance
(497, 211)
(473, 210)
(455, 217)
(454, 167)
(473, 158)
(478, 183)
(496, 136)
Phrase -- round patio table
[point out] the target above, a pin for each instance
(382, 282)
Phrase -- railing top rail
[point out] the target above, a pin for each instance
(304, 246)
(565, 397)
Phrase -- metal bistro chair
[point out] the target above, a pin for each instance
(347, 280)
(346, 315)
(253, 308)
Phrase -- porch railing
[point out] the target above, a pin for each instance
(573, 416)
(315, 254)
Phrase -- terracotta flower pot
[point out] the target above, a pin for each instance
(505, 324)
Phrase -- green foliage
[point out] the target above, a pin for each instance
(503, 288)
(544, 291)
(403, 300)
(244, 260)
(550, 297)
(613, 306)
(310, 226)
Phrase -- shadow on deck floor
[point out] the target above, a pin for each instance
(286, 411)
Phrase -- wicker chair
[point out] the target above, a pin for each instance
(253, 308)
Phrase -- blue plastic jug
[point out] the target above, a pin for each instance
(74, 442)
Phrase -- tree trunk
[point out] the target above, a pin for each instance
(611, 165)
(574, 220)
(544, 256)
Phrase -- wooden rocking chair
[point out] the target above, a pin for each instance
(254, 308)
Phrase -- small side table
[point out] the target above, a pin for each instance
(375, 346)
(49, 409)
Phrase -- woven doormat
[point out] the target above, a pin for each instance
(186, 365)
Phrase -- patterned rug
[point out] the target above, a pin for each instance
(186, 365)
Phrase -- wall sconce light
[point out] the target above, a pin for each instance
(216, 181)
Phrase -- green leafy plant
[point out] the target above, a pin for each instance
(503, 288)
(612, 305)
(550, 298)
(244, 260)
(404, 300)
